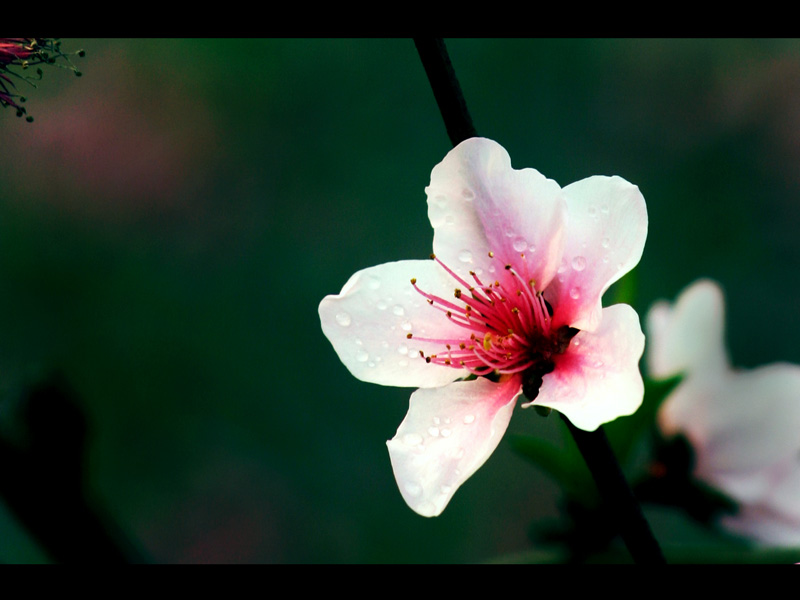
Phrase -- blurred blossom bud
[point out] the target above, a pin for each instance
(20, 60)
(741, 425)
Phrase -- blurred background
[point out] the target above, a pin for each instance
(171, 220)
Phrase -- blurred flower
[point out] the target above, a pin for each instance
(742, 425)
(510, 303)
(19, 54)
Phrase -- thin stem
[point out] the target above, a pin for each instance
(617, 495)
(446, 89)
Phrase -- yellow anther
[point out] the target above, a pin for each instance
(408, 336)
(491, 254)
(413, 280)
(457, 293)
(487, 341)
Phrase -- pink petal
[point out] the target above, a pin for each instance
(597, 379)
(606, 231)
(478, 203)
(369, 320)
(688, 336)
(448, 433)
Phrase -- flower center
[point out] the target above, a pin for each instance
(506, 328)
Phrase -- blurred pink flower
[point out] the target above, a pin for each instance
(513, 292)
(23, 53)
(742, 424)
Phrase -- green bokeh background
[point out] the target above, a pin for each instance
(171, 220)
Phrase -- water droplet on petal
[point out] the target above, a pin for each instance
(370, 364)
(604, 209)
(434, 431)
(510, 232)
(413, 489)
(406, 326)
(445, 432)
(436, 420)
(402, 349)
(520, 244)
(465, 256)
(598, 364)
(412, 439)
(531, 248)
(398, 310)
(469, 419)
(575, 293)
(343, 319)
(362, 356)
(606, 242)
(562, 267)
(579, 263)
(373, 282)
(381, 305)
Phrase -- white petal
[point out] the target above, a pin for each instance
(688, 337)
(743, 427)
(448, 433)
(597, 379)
(478, 203)
(606, 232)
(369, 320)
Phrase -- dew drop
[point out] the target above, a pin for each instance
(398, 310)
(445, 432)
(469, 419)
(561, 268)
(520, 244)
(510, 232)
(373, 282)
(465, 256)
(575, 293)
(362, 356)
(381, 305)
(598, 364)
(412, 439)
(440, 201)
(402, 349)
(434, 431)
(579, 263)
(359, 342)
(370, 364)
(413, 489)
(531, 248)
(406, 326)
(605, 243)
(604, 209)
(605, 259)
(343, 319)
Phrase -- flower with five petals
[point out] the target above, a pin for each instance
(742, 425)
(510, 304)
